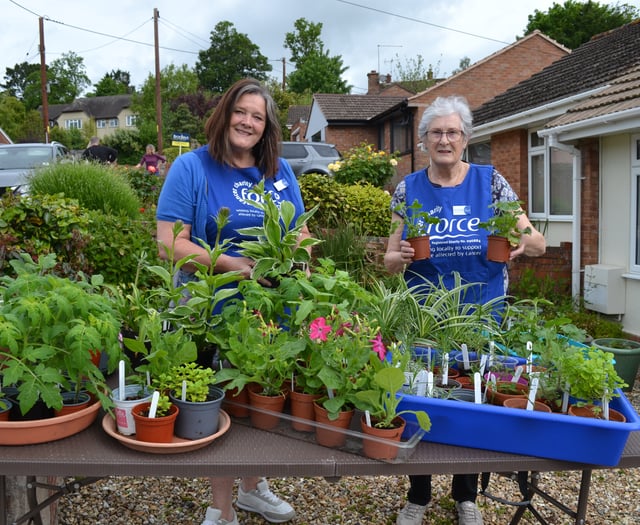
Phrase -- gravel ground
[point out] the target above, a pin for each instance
(614, 499)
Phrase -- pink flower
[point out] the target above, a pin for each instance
(378, 346)
(319, 329)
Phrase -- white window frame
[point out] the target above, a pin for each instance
(73, 123)
(634, 241)
(131, 121)
(543, 150)
(113, 123)
(101, 123)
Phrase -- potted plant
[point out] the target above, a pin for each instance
(158, 427)
(591, 378)
(417, 223)
(191, 388)
(503, 230)
(50, 330)
(275, 246)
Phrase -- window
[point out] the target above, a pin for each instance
(131, 121)
(74, 123)
(550, 180)
(479, 153)
(113, 123)
(635, 204)
(101, 123)
(401, 135)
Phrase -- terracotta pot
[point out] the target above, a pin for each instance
(516, 402)
(327, 437)
(238, 397)
(302, 408)
(154, 429)
(4, 412)
(504, 391)
(452, 373)
(261, 402)
(376, 449)
(498, 249)
(588, 411)
(73, 403)
(421, 246)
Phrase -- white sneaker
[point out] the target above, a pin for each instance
(468, 513)
(411, 514)
(266, 503)
(212, 517)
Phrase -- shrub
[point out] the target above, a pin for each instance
(96, 187)
(43, 224)
(128, 144)
(364, 164)
(145, 184)
(115, 246)
(369, 208)
(327, 194)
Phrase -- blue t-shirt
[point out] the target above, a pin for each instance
(197, 186)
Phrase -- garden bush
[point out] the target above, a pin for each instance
(365, 164)
(96, 187)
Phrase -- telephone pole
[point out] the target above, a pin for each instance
(43, 84)
(156, 15)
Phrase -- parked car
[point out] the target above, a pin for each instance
(310, 157)
(19, 161)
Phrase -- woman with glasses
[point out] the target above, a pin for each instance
(459, 194)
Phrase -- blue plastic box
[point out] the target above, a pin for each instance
(531, 433)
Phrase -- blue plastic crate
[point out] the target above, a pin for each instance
(553, 436)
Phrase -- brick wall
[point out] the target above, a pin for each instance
(590, 215)
(554, 265)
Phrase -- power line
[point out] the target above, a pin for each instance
(422, 21)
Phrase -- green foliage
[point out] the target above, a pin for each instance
(145, 184)
(275, 246)
(128, 145)
(72, 138)
(95, 186)
(172, 153)
(230, 57)
(49, 328)
(574, 23)
(116, 242)
(67, 77)
(504, 221)
(19, 122)
(316, 71)
(117, 82)
(364, 164)
(364, 206)
(416, 220)
(42, 224)
(197, 380)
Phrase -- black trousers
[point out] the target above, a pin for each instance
(464, 487)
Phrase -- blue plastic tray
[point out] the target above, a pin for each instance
(553, 436)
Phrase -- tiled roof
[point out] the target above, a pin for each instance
(355, 107)
(297, 113)
(622, 94)
(593, 64)
(100, 107)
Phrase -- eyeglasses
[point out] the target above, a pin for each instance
(453, 135)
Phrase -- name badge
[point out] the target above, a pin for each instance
(280, 185)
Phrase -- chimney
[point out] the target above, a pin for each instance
(373, 87)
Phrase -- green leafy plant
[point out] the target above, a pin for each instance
(380, 396)
(364, 163)
(195, 378)
(276, 247)
(504, 221)
(50, 327)
(260, 350)
(416, 220)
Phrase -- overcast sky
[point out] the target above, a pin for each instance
(368, 34)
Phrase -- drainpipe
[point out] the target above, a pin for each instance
(577, 212)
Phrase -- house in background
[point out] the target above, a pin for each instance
(4, 138)
(105, 115)
(297, 119)
(568, 140)
(388, 115)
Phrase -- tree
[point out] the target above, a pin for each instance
(16, 78)
(115, 83)
(67, 78)
(574, 23)
(465, 62)
(230, 57)
(414, 73)
(19, 122)
(316, 71)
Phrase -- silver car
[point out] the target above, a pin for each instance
(310, 157)
(19, 161)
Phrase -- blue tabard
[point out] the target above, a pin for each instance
(457, 243)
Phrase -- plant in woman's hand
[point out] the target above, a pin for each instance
(504, 221)
(416, 219)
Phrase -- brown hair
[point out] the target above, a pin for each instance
(266, 150)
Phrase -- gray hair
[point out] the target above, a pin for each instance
(443, 107)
